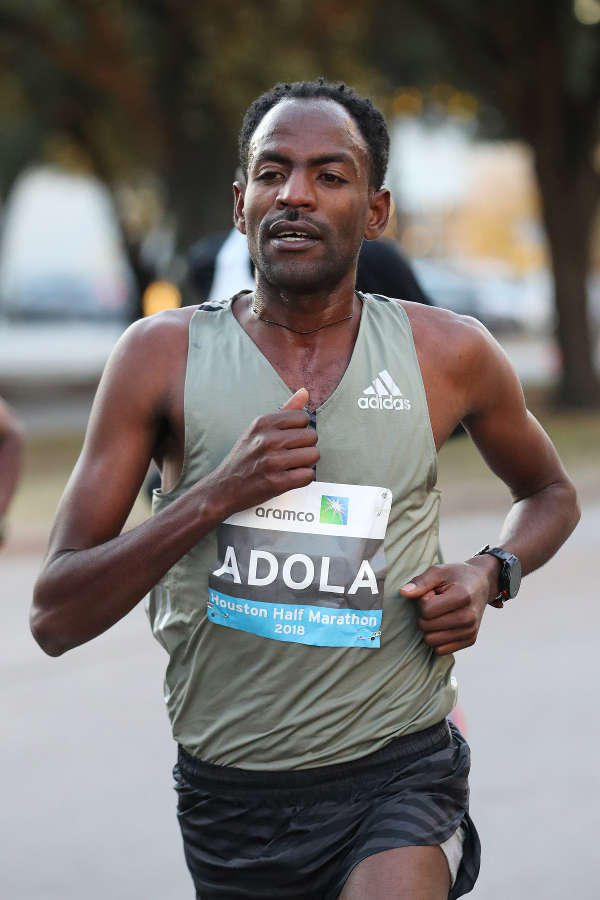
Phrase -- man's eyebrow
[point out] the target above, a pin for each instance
(270, 156)
(327, 158)
(312, 162)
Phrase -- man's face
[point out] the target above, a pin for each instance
(307, 203)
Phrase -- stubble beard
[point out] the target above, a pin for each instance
(289, 273)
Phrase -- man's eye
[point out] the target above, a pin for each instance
(331, 178)
(269, 175)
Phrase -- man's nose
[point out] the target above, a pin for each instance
(296, 191)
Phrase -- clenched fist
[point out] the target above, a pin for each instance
(275, 454)
(452, 600)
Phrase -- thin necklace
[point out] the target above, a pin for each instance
(296, 330)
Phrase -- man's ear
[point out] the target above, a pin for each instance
(379, 214)
(239, 191)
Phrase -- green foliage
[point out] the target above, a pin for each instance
(162, 85)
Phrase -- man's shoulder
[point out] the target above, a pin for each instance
(168, 320)
(456, 343)
(148, 363)
(435, 320)
(164, 330)
(154, 349)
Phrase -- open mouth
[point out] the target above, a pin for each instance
(294, 239)
(291, 236)
(300, 236)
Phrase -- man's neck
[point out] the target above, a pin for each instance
(303, 312)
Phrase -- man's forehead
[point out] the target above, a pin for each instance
(313, 124)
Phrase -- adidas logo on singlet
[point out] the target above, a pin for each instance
(383, 393)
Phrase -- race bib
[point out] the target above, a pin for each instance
(307, 566)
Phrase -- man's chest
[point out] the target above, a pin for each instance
(374, 376)
(319, 371)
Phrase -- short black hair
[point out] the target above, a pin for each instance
(368, 118)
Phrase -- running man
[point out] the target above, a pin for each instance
(11, 459)
(292, 561)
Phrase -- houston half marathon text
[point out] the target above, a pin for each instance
(326, 616)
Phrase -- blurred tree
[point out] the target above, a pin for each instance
(538, 63)
(160, 85)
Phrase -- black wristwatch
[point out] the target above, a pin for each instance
(509, 579)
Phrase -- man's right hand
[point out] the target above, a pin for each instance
(275, 454)
(82, 590)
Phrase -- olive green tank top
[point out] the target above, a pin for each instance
(289, 645)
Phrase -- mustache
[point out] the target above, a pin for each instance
(291, 215)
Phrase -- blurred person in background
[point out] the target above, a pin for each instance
(219, 264)
(11, 458)
(292, 560)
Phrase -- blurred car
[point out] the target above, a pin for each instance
(447, 286)
(61, 252)
(509, 302)
(490, 292)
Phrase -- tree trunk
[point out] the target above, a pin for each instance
(199, 188)
(568, 208)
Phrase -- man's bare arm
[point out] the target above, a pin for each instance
(93, 575)
(453, 598)
(11, 457)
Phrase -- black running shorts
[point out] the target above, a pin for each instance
(297, 835)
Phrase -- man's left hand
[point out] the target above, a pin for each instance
(452, 600)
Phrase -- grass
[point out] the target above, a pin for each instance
(462, 472)
(48, 463)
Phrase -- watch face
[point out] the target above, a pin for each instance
(509, 580)
(513, 572)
